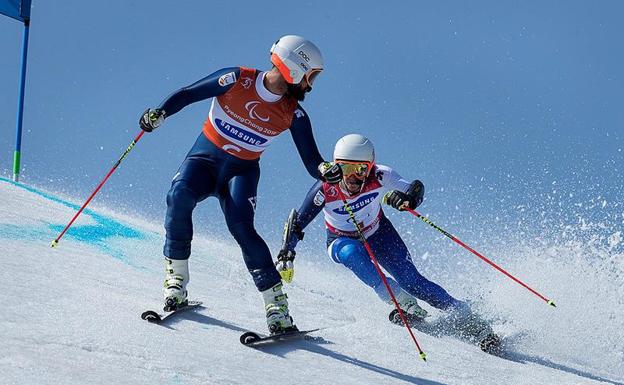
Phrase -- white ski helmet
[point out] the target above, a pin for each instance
(296, 58)
(354, 147)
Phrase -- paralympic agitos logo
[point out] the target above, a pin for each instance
(251, 109)
(357, 205)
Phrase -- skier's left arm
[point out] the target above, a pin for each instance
(309, 209)
(301, 131)
(401, 193)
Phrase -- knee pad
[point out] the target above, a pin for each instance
(349, 252)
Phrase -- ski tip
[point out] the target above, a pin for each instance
(151, 316)
(423, 356)
(249, 338)
(551, 303)
(54, 243)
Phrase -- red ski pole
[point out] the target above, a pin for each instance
(462, 244)
(381, 274)
(56, 241)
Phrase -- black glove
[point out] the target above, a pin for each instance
(151, 119)
(330, 172)
(412, 198)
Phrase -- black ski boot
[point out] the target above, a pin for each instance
(413, 319)
(491, 344)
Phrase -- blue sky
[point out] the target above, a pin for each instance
(495, 105)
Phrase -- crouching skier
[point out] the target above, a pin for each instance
(365, 185)
(249, 109)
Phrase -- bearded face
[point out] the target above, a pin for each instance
(298, 91)
(353, 184)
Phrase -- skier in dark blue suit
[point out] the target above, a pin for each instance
(249, 109)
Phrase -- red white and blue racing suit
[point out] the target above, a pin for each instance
(344, 246)
(243, 120)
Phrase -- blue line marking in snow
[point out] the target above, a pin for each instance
(99, 234)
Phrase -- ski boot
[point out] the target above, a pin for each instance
(491, 344)
(176, 278)
(469, 325)
(412, 311)
(276, 307)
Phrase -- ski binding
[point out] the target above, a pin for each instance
(157, 318)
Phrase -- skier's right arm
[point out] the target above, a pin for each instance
(215, 84)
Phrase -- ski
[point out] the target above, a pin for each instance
(154, 317)
(491, 343)
(254, 339)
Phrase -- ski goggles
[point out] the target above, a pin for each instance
(360, 170)
(311, 76)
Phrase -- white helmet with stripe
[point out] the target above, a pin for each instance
(354, 147)
(296, 58)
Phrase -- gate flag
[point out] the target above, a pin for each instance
(16, 9)
(19, 10)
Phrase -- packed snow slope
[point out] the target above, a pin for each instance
(70, 315)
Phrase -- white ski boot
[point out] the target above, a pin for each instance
(413, 312)
(276, 307)
(410, 306)
(176, 279)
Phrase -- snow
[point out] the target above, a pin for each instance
(71, 314)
